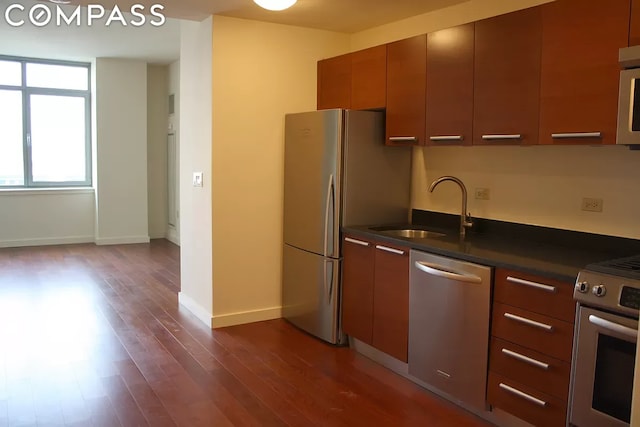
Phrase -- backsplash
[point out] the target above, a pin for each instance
(538, 185)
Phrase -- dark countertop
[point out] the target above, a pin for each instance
(553, 253)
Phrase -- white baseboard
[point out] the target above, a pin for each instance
(46, 241)
(243, 317)
(172, 236)
(125, 240)
(195, 308)
(157, 234)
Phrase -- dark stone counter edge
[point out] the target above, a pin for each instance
(562, 243)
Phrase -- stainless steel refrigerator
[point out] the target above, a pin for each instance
(338, 172)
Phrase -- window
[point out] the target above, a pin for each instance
(45, 110)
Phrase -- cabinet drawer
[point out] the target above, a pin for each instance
(540, 295)
(525, 403)
(540, 333)
(528, 367)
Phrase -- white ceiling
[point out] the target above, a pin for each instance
(162, 44)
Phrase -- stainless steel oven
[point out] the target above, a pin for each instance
(604, 349)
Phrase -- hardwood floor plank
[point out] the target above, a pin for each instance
(96, 337)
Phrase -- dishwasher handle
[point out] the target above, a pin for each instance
(447, 272)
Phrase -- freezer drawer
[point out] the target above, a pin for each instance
(310, 293)
(449, 326)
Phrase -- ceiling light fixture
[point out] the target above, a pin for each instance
(60, 1)
(275, 4)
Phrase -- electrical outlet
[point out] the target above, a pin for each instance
(483, 194)
(591, 204)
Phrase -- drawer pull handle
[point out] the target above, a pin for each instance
(390, 250)
(525, 359)
(523, 395)
(357, 242)
(529, 322)
(409, 139)
(576, 135)
(501, 137)
(446, 138)
(531, 284)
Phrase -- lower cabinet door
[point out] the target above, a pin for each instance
(525, 403)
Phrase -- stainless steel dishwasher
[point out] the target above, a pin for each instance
(449, 310)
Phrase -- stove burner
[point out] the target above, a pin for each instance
(625, 267)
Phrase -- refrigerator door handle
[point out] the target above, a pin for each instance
(328, 280)
(328, 211)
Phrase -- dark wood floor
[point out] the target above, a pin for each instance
(94, 336)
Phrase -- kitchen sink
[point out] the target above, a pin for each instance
(413, 234)
(408, 232)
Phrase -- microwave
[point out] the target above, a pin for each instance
(628, 132)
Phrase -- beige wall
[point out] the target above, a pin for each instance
(157, 114)
(195, 156)
(260, 72)
(121, 151)
(536, 185)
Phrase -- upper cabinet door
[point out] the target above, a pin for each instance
(369, 78)
(450, 86)
(634, 28)
(334, 82)
(507, 78)
(580, 71)
(406, 84)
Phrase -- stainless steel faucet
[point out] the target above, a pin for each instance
(465, 218)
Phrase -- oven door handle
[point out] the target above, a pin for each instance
(614, 327)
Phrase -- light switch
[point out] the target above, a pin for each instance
(197, 179)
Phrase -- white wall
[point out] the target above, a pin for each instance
(34, 217)
(195, 155)
(173, 232)
(121, 151)
(157, 113)
(261, 71)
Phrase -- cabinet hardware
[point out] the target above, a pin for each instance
(576, 135)
(614, 327)
(523, 395)
(529, 322)
(446, 272)
(443, 374)
(525, 359)
(391, 250)
(357, 242)
(501, 137)
(446, 138)
(531, 284)
(403, 139)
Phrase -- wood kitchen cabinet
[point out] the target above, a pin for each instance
(356, 80)
(375, 295)
(406, 91)
(357, 288)
(449, 92)
(334, 82)
(369, 78)
(507, 78)
(580, 71)
(530, 351)
(634, 26)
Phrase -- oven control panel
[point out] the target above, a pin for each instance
(609, 292)
(630, 297)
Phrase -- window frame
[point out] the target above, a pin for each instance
(26, 92)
